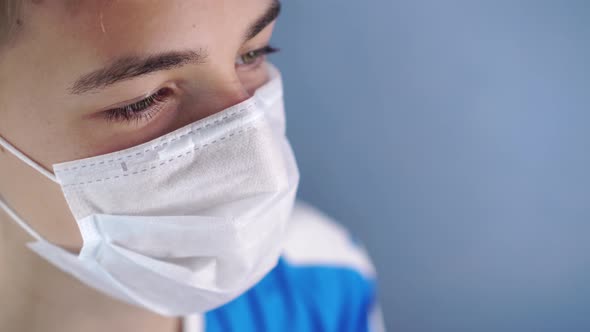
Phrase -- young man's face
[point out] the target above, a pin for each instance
(84, 78)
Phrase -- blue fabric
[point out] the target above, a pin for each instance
(301, 299)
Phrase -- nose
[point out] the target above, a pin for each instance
(222, 90)
(228, 93)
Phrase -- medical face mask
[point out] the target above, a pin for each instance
(188, 221)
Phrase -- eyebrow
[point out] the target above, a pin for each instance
(133, 66)
(129, 67)
(265, 20)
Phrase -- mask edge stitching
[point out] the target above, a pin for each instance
(191, 131)
(201, 147)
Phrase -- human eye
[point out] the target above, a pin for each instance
(253, 59)
(142, 110)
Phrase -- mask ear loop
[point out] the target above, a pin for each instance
(4, 206)
(19, 220)
(27, 160)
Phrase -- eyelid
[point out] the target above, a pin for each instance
(143, 109)
(262, 51)
(132, 101)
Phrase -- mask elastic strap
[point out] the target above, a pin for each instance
(19, 220)
(27, 160)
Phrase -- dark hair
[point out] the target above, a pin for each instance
(9, 10)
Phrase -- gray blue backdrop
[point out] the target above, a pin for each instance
(453, 138)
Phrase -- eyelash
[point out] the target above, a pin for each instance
(143, 109)
(148, 107)
(258, 54)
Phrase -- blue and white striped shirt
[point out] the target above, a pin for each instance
(324, 282)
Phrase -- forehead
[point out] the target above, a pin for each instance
(107, 28)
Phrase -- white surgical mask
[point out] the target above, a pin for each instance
(188, 221)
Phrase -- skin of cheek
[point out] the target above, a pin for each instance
(39, 132)
(39, 202)
(37, 114)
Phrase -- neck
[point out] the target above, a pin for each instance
(36, 296)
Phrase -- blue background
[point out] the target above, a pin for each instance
(453, 139)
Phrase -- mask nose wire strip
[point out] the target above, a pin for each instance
(19, 220)
(27, 160)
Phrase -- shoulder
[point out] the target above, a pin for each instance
(314, 239)
(330, 272)
(324, 281)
